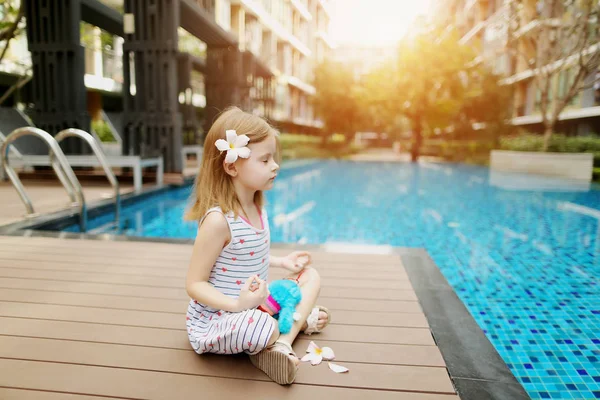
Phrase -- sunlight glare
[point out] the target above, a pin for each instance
(374, 22)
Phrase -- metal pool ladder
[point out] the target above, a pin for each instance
(99, 153)
(62, 169)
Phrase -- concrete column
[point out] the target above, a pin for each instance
(238, 24)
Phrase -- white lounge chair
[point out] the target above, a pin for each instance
(135, 162)
(197, 150)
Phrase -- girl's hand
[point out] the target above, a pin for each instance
(252, 298)
(296, 261)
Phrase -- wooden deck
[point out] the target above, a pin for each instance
(83, 319)
(47, 197)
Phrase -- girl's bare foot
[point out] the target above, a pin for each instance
(323, 318)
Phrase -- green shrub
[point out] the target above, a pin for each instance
(305, 146)
(472, 146)
(522, 143)
(337, 138)
(288, 140)
(558, 143)
(471, 151)
(103, 131)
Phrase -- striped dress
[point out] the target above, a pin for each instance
(216, 331)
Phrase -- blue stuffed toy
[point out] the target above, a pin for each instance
(284, 296)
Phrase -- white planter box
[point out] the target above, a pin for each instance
(577, 166)
(112, 149)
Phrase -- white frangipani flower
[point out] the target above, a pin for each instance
(235, 146)
(316, 354)
(338, 369)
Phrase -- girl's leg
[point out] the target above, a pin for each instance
(310, 286)
(278, 361)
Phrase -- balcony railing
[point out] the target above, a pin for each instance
(104, 63)
(208, 5)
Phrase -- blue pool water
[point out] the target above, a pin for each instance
(522, 253)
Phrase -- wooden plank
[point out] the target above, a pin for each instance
(177, 320)
(367, 293)
(27, 394)
(133, 335)
(374, 353)
(96, 267)
(79, 249)
(49, 243)
(184, 250)
(150, 261)
(94, 300)
(175, 294)
(372, 376)
(98, 288)
(376, 318)
(404, 306)
(168, 251)
(337, 257)
(91, 276)
(175, 282)
(179, 306)
(375, 334)
(129, 383)
(181, 271)
(94, 315)
(82, 259)
(127, 246)
(345, 351)
(172, 338)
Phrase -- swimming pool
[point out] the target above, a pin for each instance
(522, 253)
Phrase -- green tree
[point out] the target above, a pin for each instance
(338, 101)
(378, 101)
(429, 82)
(484, 104)
(433, 83)
(10, 19)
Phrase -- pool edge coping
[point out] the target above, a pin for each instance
(476, 369)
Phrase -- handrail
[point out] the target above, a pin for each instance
(14, 150)
(72, 132)
(62, 169)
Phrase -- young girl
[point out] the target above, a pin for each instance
(230, 261)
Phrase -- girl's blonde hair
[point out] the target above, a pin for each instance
(214, 186)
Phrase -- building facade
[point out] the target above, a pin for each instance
(290, 37)
(483, 25)
(161, 72)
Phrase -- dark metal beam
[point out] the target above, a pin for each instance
(198, 64)
(199, 23)
(194, 19)
(99, 14)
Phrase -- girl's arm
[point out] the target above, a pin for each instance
(276, 262)
(294, 262)
(210, 240)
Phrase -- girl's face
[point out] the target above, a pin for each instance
(258, 171)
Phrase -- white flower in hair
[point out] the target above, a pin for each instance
(234, 145)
